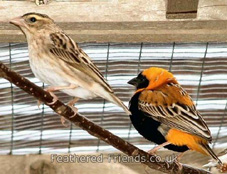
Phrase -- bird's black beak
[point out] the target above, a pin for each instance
(133, 82)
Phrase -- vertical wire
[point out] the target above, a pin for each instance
(201, 74)
(219, 129)
(138, 70)
(171, 60)
(70, 137)
(220, 126)
(12, 104)
(104, 101)
(41, 128)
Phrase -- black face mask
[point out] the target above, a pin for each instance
(139, 82)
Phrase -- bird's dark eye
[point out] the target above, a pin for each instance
(33, 19)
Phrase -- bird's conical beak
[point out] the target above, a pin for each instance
(133, 81)
(18, 21)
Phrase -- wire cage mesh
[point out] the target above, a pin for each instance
(201, 68)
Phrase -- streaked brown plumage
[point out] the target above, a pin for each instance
(57, 60)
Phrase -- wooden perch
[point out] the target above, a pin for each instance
(93, 129)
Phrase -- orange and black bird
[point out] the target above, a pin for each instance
(164, 113)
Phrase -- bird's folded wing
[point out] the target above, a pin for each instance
(171, 105)
(66, 49)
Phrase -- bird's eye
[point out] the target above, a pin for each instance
(33, 19)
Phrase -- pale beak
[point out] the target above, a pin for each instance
(18, 21)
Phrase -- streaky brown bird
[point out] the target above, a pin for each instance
(58, 61)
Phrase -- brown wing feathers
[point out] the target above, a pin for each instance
(72, 54)
(170, 104)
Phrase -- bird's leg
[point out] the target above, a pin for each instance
(178, 158)
(153, 151)
(55, 98)
(180, 155)
(73, 101)
(71, 105)
(51, 89)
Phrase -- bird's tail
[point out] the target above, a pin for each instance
(118, 102)
(210, 152)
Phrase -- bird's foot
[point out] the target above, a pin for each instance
(71, 105)
(40, 2)
(55, 98)
(178, 164)
(75, 110)
(177, 160)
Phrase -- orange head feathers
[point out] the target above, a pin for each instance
(152, 78)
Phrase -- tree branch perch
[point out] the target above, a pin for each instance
(93, 129)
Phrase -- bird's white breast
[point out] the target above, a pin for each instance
(54, 73)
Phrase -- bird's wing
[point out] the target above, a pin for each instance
(171, 105)
(66, 49)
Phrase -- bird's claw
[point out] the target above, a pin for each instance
(75, 110)
(179, 165)
(71, 105)
(55, 98)
(177, 162)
